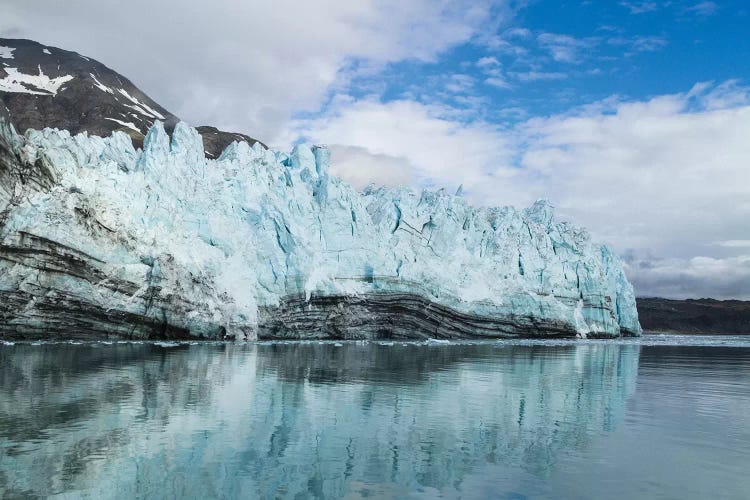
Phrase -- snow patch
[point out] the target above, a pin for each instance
(6, 52)
(129, 125)
(140, 107)
(46, 51)
(100, 85)
(19, 82)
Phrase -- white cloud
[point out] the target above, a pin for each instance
(668, 174)
(533, 76)
(459, 83)
(734, 243)
(499, 45)
(486, 62)
(703, 9)
(497, 81)
(697, 277)
(492, 69)
(729, 94)
(518, 33)
(360, 167)
(641, 43)
(248, 66)
(565, 48)
(422, 141)
(640, 7)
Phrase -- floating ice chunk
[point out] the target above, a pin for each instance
(166, 344)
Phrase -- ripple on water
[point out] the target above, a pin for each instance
(659, 416)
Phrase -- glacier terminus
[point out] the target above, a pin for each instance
(99, 238)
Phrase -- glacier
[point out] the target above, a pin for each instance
(99, 239)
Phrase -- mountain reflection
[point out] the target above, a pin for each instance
(289, 419)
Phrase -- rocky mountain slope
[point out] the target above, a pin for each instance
(44, 86)
(101, 238)
(699, 316)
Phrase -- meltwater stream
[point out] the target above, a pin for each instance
(665, 417)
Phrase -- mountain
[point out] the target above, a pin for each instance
(699, 316)
(44, 86)
(99, 237)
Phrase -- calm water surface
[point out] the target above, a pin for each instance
(663, 417)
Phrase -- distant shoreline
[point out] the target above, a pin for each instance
(693, 316)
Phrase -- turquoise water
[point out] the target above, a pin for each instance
(662, 417)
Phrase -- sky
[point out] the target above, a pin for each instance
(632, 117)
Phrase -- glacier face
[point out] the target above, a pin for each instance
(98, 238)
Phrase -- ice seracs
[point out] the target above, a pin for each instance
(99, 236)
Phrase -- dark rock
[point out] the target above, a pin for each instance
(91, 101)
(215, 141)
(694, 316)
(378, 316)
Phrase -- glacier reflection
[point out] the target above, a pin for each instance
(287, 419)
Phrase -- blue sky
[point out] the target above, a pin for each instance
(553, 55)
(631, 116)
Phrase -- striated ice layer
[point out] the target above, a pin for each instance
(99, 238)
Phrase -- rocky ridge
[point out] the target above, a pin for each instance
(694, 316)
(43, 86)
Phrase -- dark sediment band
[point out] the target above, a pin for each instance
(396, 316)
(57, 316)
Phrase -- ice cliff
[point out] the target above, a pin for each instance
(99, 238)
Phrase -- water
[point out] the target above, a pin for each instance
(662, 417)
